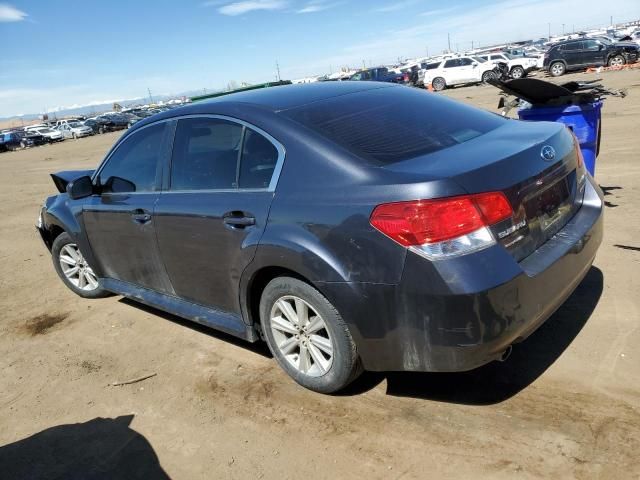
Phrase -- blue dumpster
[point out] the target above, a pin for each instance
(583, 119)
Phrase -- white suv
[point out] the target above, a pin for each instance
(458, 71)
(518, 66)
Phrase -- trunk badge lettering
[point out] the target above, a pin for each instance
(548, 153)
(511, 229)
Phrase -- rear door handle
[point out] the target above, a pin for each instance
(140, 216)
(238, 220)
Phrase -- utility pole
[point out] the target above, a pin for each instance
(364, 65)
(611, 20)
(563, 28)
(471, 44)
(150, 97)
(278, 69)
(549, 30)
(449, 42)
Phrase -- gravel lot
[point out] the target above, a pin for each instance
(565, 405)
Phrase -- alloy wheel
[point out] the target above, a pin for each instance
(301, 336)
(557, 69)
(76, 269)
(616, 61)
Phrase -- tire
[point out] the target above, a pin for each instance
(517, 72)
(486, 76)
(556, 69)
(616, 61)
(101, 130)
(324, 333)
(75, 137)
(438, 84)
(62, 246)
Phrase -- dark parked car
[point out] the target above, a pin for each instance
(107, 123)
(350, 225)
(13, 141)
(588, 52)
(380, 74)
(35, 138)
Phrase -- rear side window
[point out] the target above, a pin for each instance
(572, 46)
(451, 63)
(205, 154)
(136, 158)
(259, 158)
(388, 125)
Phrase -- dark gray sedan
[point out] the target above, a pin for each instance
(349, 225)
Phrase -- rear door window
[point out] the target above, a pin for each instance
(258, 161)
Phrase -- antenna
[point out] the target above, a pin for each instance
(150, 97)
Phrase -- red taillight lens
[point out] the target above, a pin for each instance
(420, 222)
(576, 145)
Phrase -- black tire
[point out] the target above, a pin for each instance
(616, 60)
(101, 130)
(438, 84)
(556, 69)
(60, 241)
(75, 137)
(345, 366)
(517, 72)
(490, 74)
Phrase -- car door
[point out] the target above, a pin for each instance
(214, 207)
(468, 70)
(594, 53)
(119, 223)
(573, 54)
(451, 71)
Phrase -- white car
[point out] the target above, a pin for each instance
(48, 133)
(458, 71)
(74, 130)
(518, 66)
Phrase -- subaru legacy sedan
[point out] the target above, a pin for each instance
(351, 226)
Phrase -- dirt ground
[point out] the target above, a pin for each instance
(565, 405)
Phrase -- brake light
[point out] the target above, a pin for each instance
(443, 227)
(576, 146)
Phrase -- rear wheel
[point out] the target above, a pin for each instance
(517, 72)
(489, 75)
(557, 68)
(438, 84)
(307, 336)
(616, 61)
(74, 270)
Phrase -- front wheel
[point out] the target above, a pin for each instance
(517, 72)
(489, 75)
(74, 270)
(438, 84)
(616, 61)
(307, 336)
(557, 69)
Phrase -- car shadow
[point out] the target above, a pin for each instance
(258, 347)
(102, 448)
(498, 381)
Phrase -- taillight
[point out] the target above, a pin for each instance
(443, 227)
(406, 77)
(576, 146)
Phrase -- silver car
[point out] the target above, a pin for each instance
(74, 130)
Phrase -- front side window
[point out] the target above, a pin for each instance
(136, 159)
(451, 63)
(464, 62)
(591, 45)
(205, 154)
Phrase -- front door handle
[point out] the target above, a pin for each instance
(140, 216)
(238, 220)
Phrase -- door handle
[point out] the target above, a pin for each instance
(140, 216)
(238, 220)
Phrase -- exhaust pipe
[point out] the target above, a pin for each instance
(506, 354)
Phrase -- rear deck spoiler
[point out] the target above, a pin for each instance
(61, 179)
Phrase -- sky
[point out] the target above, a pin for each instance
(68, 53)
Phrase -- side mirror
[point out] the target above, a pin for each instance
(80, 188)
(475, 64)
(601, 47)
(118, 185)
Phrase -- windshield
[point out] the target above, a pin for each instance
(44, 130)
(604, 40)
(479, 59)
(75, 124)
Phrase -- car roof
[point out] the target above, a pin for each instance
(285, 97)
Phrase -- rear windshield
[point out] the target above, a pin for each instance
(389, 125)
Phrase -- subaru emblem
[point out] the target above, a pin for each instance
(548, 153)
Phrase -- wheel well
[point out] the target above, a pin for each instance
(258, 284)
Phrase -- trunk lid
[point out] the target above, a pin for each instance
(543, 192)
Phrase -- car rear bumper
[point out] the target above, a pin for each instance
(459, 314)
